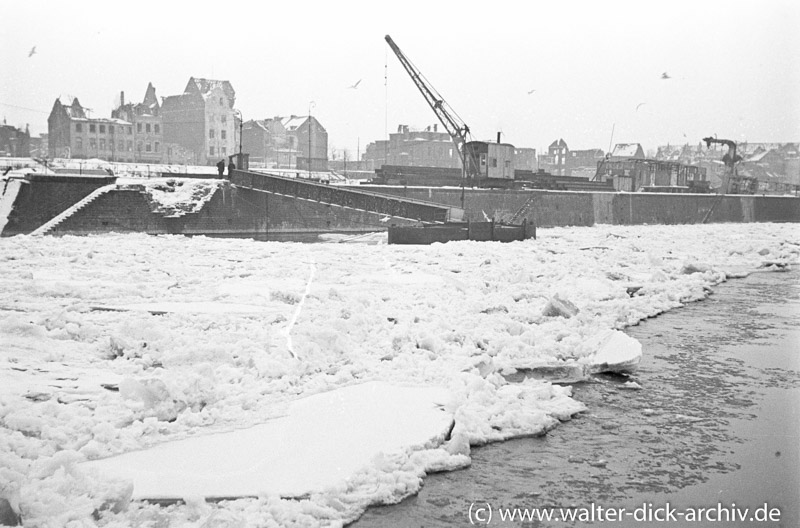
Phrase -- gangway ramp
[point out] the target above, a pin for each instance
(347, 197)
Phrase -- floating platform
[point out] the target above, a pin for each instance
(451, 231)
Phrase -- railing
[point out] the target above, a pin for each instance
(390, 206)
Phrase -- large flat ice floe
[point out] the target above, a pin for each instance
(320, 443)
(121, 348)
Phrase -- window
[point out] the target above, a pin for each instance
(223, 134)
(121, 145)
(130, 145)
(494, 162)
(139, 146)
(102, 129)
(79, 143)
(102, 144)
(92, 127)
(148, 148)
(78, 127)
(92, 143)
(210, 133)
(157, 129)
(147, 128)
(223, 119)
(130, 130)
(138, 128)
(156, 146)
(224, 151)
(210, 151)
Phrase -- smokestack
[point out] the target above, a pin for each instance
(498, 137)
(122, 98)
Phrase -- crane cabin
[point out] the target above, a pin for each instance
(495, 160)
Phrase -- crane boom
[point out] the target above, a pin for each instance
(458, 130)
(734, 184)
(731, 158)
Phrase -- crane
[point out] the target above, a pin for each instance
(734, 183)
(455, 126)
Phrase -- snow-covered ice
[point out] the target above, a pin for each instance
(175, 197)
(115, 344)
(264, 459)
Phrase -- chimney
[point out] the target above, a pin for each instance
(435, 127)
(122, 98)
(498, 137)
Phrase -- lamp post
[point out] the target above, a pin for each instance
(241, 127)
(310, 105)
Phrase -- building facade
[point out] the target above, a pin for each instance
(555, 161)
(256, 141)
(624, 151)
(525, 159)
(406, 147)
(14, 142)
(310, 139)
(293, 142)
(201, 121)
(148, 138)
(39, 146)
(375, 155)
(583, 163)
(72, 134)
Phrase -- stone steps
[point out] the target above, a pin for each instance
(51, 224)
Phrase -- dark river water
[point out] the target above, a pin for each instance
(712, 438)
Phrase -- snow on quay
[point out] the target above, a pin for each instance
(118, 345)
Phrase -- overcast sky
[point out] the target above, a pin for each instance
(734, 66)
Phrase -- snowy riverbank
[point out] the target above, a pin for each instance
(245, 329)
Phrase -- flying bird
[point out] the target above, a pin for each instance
(32, 52)
(531, 91)
(639, 105)
(665, 76)
(356, 84)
